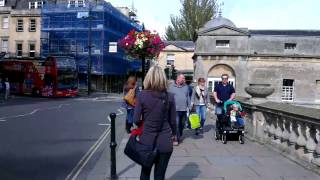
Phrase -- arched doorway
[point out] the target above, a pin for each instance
(214, 76)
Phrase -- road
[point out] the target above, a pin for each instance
(60, 139)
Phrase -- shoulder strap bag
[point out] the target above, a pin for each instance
(141, 153)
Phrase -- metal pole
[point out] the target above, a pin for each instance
(113, 146)
(89, 48)
(143, 69)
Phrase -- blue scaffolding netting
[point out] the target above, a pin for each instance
(65, 31)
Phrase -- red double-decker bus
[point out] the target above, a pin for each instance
(56, 76)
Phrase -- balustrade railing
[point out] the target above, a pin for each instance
(292, 129)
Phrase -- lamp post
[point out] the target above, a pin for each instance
(89, 48)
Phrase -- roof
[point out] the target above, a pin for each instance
(286, 32)
(186, 45)
(219, 21)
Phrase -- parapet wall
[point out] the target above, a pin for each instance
(292, 130)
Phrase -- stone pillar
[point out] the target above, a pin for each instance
(279, 129)
(260, 124)
(293, 135)
(286, 133)
(311, 143)
(301, 141)
(316, 159)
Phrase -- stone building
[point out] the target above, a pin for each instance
(179, 54)
(289, 60)
(20, 27)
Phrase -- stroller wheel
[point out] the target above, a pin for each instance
(224, 138)
(241, 139)
(217, 135)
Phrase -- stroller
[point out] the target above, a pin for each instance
(224, 126)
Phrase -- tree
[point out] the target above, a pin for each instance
(193, 15)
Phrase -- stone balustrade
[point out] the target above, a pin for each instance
(293, 130)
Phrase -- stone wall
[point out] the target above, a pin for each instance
(294, 131)
(271, 70)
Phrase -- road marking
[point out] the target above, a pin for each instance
(120, 112)
(20, 115)
(100, 99)
(33, 112)
(57, 107)
(101, 124)
(84, 160)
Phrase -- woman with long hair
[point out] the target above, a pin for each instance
(158, 111)
(201, 100)
(130, 87)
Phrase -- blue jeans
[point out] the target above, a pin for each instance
(201, 111)
(181, 118)
(130, 113)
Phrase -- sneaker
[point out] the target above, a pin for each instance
(175, 143)
(201, 130)
(197, 132)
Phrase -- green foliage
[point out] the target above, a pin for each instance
(193, 15)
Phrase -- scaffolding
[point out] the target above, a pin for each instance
(65, 31)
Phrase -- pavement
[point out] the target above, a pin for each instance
(204, 158)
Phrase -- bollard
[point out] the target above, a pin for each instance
(113, 146)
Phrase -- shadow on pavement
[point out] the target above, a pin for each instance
(188, 172)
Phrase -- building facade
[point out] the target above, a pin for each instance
(20, 28)
(179, 54)
(289, 60)
(69, 26)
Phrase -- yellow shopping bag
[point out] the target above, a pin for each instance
(194, 120)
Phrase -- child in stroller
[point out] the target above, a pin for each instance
(235, 117)
(231, 122)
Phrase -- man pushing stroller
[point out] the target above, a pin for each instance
(223, 92)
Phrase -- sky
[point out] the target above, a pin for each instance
(252, 14)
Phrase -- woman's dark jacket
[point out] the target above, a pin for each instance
(151, 106)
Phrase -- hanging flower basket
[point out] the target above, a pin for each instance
(142, 45)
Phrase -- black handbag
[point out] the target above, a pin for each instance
(143, 154)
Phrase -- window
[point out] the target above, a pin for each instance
(2, 2)
(222, 43)
(19, 25)
(72, 4)
(4, 45)
(5, 22)
(40, 4)
(80, 3)
(19, 50)
(290, 46)
(32, 25)
(170, 59)
(287, 90)
(76, 3)
(32, 50)
(32, 5)
(36, 5)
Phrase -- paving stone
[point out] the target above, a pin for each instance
(185, 160)
(203, 158)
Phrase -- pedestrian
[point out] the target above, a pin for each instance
(223, 92)
(130, 91)
(180, 90)
(2, 89)
(201, 100)
(159, 121)
(7, 89)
